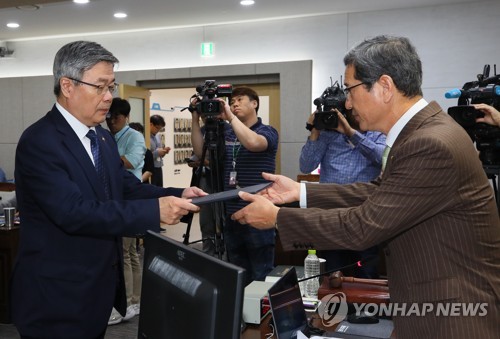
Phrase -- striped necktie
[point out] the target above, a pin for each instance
(385, 156)
(99, 166)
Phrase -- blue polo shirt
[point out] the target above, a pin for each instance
(131, 144)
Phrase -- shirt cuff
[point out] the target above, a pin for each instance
(303, 195)
(356, 138)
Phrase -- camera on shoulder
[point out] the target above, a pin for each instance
(206, 104)
(486, 90)
(333, 97)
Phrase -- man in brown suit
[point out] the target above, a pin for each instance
(432, 208)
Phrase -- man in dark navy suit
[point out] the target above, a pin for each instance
(77, 201)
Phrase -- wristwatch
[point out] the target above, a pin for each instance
(309, 126)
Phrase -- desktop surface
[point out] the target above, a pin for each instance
(263, 330)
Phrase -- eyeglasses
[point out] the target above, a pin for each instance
(110, 116)
(159, 128)
(347, 90)
(101, 89)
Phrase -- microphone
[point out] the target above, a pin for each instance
(453, 93)
(360, 263)
(487, 91)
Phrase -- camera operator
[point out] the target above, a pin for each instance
(491, 114)
(346, 156)
(250, 149)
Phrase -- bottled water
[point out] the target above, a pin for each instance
(311, 268)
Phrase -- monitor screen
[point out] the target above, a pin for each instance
(187, 293)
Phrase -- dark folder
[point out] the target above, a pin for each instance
(229, 195)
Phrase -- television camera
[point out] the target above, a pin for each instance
(206, 105)
(333, 97)
(485, 90)
(204, 102)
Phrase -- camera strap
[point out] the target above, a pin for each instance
(233, 174)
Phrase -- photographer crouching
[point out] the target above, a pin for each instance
(250, 149)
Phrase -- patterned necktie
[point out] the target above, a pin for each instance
(385, 155)
(99, 166)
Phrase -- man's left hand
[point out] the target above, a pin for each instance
(260, 213)
(192, 192)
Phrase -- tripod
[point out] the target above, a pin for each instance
(214, 144)
(493, 173)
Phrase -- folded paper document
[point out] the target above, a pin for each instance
(229, 195)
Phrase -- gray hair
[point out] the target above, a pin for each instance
(75, 58)
(387, 55)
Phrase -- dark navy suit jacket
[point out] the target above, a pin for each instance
(69, 269)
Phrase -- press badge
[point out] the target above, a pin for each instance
(232, 179)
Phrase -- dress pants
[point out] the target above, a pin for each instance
(157, 177)
(132, 271)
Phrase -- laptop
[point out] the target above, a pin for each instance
(287, 308)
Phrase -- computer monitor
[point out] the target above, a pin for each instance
(187, 293)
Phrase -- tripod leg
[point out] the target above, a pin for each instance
(219, 245)
(213, 140)
(195, 181)
(217, 182)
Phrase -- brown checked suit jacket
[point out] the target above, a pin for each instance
(434, 212)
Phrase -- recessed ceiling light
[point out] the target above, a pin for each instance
(81, 1)
(13, 25)
(247, 2)
(28, 7)
(120, 15)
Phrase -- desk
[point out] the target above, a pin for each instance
(9, 240)
(7, 187)
(254, 331)
(259, 331)
(356, 293)
(308, 177)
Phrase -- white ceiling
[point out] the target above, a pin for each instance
(63, 17)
